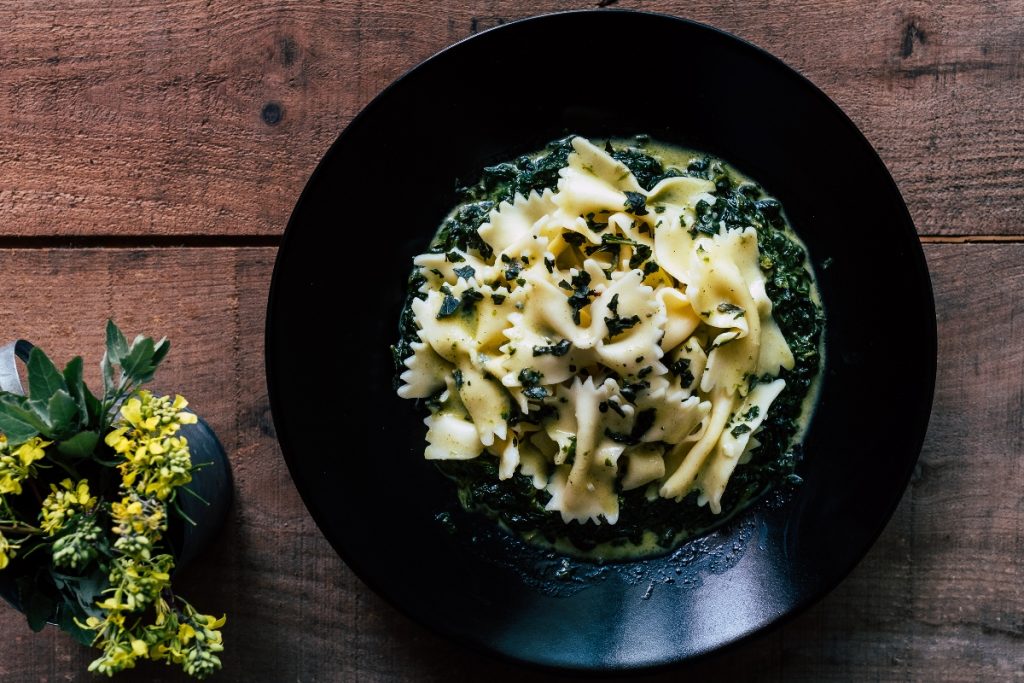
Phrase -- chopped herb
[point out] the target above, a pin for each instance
(465, 272)
(629, 390)
(643, 422)
(570, 450)
(614, 405)
(574, 238)
(581, 294)
(549, 264)
(559, 349)
(457, 375)
(593, 224)
(681, 369)
(536, 392)
(530, 379)
(739, 430)
(459, 231)
(469, 299)
(752, 413)
(650, 268)
(641, 252)
(636, 203)
(729, 308)
(512, 272)
(659, 209)
(646, 371)
(448, 306)
(617, 326)
(498, 299)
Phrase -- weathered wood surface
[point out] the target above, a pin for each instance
(939, 598)
(205, 118)
(130, 122)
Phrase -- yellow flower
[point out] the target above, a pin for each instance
(63, 503)
(186, 633)
(31, 450)
(118, 440)
(18, 465)
(6, 552)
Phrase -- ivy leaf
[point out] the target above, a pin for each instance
(37, 605)
(66, 622)
(76, 387)
(117, 345)
(43, 378)
(160, 351)
(92, 405)
(63, 411)
(17, 421)
(81, 445)
(107, 368)
(138, 364)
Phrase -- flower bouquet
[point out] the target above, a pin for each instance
(89, 487)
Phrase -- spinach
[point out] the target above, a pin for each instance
(515, 501)
(559, 349)
(465, 272)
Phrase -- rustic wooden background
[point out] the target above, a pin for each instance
(150, 153)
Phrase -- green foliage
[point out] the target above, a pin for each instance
(90, 555)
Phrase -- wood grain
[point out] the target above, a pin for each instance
(177, 135)
(199, 118)
(939, 598)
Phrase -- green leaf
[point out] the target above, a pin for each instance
(93, 406)
(76, 387)
(17, 421)
(66, 621)
(107, 368)
(117, 345)
(81, 445)
(82, 592)
(160, 351)
(43, 378)
(39, 608)
(138, 365)
(63, 413)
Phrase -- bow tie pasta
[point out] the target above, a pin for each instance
(616, 351)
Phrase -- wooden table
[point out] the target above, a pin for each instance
(150, 153)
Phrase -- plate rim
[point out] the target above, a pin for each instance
(808, 598)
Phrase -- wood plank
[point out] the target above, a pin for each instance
(939, 597)
(206, 118)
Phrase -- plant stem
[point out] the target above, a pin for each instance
(21, 529)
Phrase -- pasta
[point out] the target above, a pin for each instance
(595, 338)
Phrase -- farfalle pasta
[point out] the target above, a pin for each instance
(598, 344)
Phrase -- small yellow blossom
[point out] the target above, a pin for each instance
(19, 464)
(63, 503)
(6, 551)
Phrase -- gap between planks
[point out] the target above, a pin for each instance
(972, 239)
(243, 241)
(136, 241)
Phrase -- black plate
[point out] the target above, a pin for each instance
(355, 450)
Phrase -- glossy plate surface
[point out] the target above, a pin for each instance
(355, 450)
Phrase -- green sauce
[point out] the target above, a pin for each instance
(647, 526)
